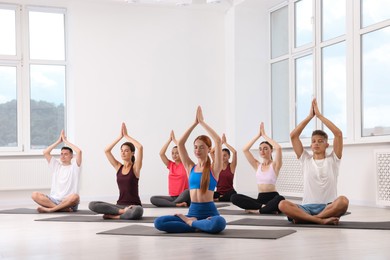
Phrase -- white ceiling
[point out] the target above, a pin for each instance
(218, 4)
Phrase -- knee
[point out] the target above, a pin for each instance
(138, 212)
(35, 195)
(279, 198)
(233, 198)
(74, 198)
(153, 200)
(158, 223)
(92, 205)
(219, 225)
(283, 205)
(343, 202)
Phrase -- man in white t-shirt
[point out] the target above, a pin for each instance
(64, 188)
(320, 203)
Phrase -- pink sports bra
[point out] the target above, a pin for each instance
(268, 177)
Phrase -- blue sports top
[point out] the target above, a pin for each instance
(195, 178)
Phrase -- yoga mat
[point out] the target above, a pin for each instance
(385, 225)
(139, 230)
(34, 211)
(218, 205)
(96, 219)
(242, 212)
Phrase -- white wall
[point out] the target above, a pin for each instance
(149, 67)
(251, 86)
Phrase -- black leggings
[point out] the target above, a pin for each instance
(225, 197)
(269, 199)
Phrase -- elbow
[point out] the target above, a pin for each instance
(180, 143)
(338, 134)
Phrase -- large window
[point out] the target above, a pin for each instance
(340, 60)
(32, 76)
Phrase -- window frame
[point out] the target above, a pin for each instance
(352, 39)
(23, 62)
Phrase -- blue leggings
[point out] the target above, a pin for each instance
(201, 211)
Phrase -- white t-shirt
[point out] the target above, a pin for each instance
(65, 178)
(319, 178)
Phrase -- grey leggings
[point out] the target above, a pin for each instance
(135, 212)
(170, 201)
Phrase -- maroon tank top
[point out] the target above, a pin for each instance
(128, 188)
(225, 181)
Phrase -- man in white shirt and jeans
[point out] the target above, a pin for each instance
(64, 188)
(320, 171)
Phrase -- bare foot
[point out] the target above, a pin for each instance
(186, 219)
(181, 204)
(331, 221)
(43, 210)
(252, 211)
(108, 216)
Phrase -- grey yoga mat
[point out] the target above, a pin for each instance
(384, 225)
(96, 219)
(140, 230)
(218, 205)
(242, 212)
(34, 211)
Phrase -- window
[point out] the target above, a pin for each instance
(338, 59)
(32, 76)
(303, 22)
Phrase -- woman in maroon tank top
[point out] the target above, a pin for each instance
(225, 187)
(128, 205)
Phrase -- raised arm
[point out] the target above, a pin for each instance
(74, 148)
(277, 161)
(163, 150)
(114, 162)
(338, 134)
(294, 135)
(212, 154)
(139, 154)
(233, 164)
(249, 156)
(181, 146)
(217, 163)
(47, 151)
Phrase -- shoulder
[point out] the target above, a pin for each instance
(74, 163)
(332, 156)
(305, 155)
(170, 163)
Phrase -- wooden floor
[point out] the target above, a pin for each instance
(23, 238)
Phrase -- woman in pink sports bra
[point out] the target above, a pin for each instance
(267, 172)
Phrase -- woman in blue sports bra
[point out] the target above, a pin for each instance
(267, 172)
(203, 176)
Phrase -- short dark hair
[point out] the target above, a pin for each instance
(67, 148)
(320, 133)
(226, 150)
